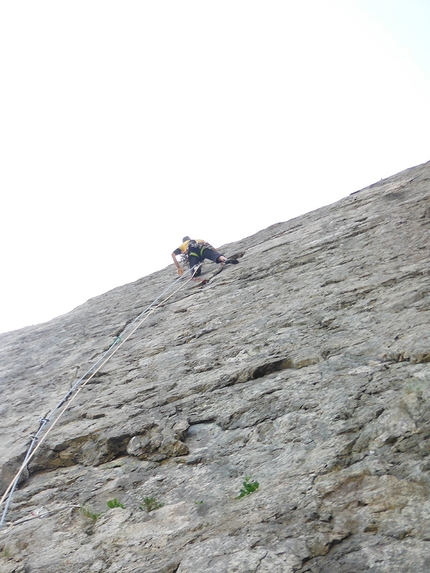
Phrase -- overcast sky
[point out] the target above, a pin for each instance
(125, 125)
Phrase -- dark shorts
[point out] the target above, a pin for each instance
(207, 253)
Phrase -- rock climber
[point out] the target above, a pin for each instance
(197, 251)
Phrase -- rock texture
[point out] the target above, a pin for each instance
(305, 367)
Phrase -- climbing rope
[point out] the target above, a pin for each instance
(74, 391)
(40, 514)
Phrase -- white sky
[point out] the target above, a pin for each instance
(125, 125)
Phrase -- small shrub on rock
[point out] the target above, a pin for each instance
(112, 503)
(86, 512)
(150, 504)
(248, 487)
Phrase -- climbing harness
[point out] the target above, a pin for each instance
(196, 248)
(65, 402)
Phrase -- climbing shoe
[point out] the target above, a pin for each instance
(231, 262)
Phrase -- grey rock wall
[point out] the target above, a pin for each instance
(306, 367)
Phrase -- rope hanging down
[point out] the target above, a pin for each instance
(65, 402)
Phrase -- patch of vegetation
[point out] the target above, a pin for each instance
(248, 487)
(112, 503)
(198, 502)
(86, 512)
(150, 504)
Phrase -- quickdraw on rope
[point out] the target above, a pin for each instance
(67, 399)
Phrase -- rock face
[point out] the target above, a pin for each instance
(305, 368)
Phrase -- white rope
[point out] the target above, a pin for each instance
(39, 514)
(80, 384)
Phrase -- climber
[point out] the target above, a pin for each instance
(196, 251)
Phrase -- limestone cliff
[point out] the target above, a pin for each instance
(305, 367)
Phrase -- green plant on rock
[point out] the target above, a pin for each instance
(248, 487)
(112, 503)
(150, 504)
(86, 512)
